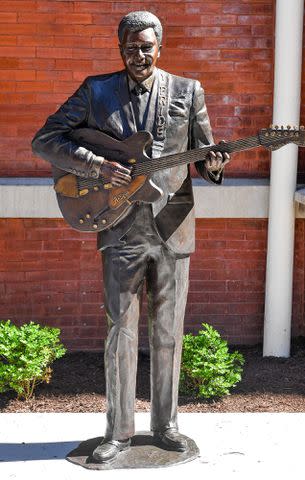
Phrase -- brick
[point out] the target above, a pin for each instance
(207, 7)
(38, 18)
(17, 98)
(51, 98)
(72, 41)
(18, 51)
(7, 87)
(106, 20)
(69, 64)
(204, 20)
(252, 66)
(254, 87)
(239, 9)
(219, 66)
(200, 43)
(17, 75)
(54, 29)
(37, 63)
(12, 288)
(34, 40)
(33, 86)
(79, 76)
(207, 286)
(106, 66)
(262, 30)
(8, 63)
(74, 18)
(235, 55)
(55, 52)
(243, 285)
(105, 42)
(8, 40)
(94, 30)
(262, 54)
(17, 6)
(56, 6)
(254, 19)
(187, 32)
(8, 17)
(246, 308)
(228, 121)
(91, 53)
(54, 75)
(94, 7)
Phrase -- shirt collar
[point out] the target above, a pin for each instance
(147, 84)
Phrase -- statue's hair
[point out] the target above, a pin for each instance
(138, 21)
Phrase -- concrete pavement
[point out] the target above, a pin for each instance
(232, 445)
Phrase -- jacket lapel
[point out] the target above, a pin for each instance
(122, 93)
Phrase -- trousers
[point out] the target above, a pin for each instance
(142, 257)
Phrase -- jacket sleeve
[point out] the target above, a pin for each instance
(52, 141)
(201, 132)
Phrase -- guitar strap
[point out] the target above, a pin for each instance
(161, 114)
(179, 205)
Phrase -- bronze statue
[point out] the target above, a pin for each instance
(148, 242)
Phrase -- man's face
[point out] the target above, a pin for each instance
(140, 51)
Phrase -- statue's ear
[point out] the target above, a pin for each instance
(159, 51)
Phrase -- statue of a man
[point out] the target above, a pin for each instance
(153, 242)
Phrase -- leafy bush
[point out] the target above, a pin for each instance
(26, 354)
(208, 369)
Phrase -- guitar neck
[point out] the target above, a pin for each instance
(191, 156)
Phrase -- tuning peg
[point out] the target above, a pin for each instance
(276, 127)
(288, 127)
(296, 131)
(271, 126)
(302, 127)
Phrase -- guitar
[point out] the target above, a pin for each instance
(90, 205)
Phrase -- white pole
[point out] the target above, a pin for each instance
(286, 110)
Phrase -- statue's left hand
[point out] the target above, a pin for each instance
(216, 161)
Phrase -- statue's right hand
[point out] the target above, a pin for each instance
(115, 173)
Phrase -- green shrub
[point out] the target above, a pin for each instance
(207, 368)
(26, 354)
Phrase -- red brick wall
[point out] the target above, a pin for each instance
(52, 275)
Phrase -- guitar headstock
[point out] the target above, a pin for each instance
(276, 137)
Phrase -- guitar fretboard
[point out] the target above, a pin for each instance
(149, 166)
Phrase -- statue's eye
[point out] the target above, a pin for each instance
(146, 48)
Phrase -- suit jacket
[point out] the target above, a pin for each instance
(103, 102)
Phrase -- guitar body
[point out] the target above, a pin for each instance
(95, 208)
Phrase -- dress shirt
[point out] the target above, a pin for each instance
(140, 95)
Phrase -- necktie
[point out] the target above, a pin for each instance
(139, 89)
(140, 103)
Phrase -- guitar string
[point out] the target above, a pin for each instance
(200, 154)
(170, 161)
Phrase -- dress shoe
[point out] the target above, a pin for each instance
(109, 450)
(172, 439)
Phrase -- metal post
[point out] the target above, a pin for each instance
(286, 110)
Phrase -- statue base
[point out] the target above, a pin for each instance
(145, 452)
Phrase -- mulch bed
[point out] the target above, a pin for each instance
(268, 385)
